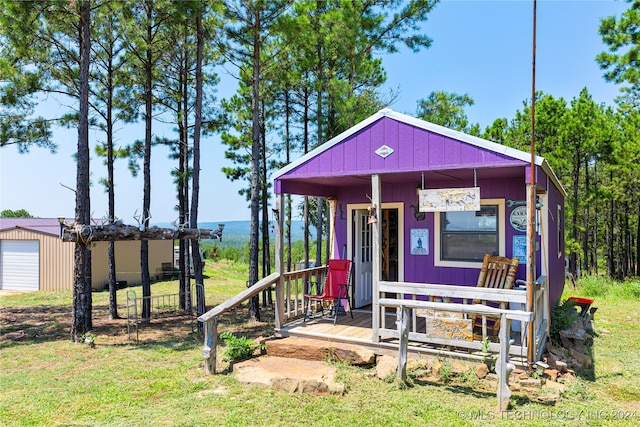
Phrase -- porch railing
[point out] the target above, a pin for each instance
(503, 367)
(210, 318)
(515, 299)
(289, 304)
(296, 283)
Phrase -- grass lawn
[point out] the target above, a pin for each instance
(45, 380)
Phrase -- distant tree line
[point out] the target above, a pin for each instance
(306, 71)
(593, 148)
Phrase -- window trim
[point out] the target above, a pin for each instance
(438, 262)
(560, 231)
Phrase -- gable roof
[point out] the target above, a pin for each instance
(500, 151)
(41, 225)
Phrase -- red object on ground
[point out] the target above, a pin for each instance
(584, 304)
(579, 300)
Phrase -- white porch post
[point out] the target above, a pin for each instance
(279, 213)
(376, 236)
(531, 265)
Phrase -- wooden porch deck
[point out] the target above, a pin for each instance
(358, 331)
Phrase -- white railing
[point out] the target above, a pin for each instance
(289, 304)
(460, 296)
(542, 316)
(503, 367)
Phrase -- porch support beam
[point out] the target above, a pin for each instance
(403, 332)
(209, 352)
(279, 308)
(531, 266)
(376, 236)
(503, 366)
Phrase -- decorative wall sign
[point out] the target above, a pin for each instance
(518, 218)
(512, 203)
(446, 325)
(450, 199)
(384, 151)
(419, 241)
(519, 248)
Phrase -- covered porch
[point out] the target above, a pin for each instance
(425, 260)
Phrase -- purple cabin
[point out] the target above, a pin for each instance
(400, 191)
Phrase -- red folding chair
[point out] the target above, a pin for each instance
(336, 288)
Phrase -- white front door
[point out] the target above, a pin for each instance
(363, 289)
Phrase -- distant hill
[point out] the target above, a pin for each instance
(236, 233)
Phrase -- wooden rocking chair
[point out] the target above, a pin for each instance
(336, 288)
(498, 273)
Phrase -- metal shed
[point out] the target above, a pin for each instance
(32, 257)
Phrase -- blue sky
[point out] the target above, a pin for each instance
(481, 48)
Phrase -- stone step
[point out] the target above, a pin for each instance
(316, 350)
(294, 376)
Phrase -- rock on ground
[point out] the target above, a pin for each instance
(295, 376)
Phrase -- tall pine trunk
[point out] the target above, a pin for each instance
(573, 262)
(305, 208)
(254, 305)
(638, 241)
(113, 294)
(81, 309)
(266, 253)
(198, 263)
(320, 119)
(146, 170)
(611, 222)
(587, 235)
(287, 140)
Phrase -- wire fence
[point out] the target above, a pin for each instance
(163, 306)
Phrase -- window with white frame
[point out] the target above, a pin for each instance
(463, 238)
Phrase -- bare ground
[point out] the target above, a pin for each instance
(52, 323)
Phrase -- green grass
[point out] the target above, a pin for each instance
(47, 380)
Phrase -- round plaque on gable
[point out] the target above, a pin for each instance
(518, 218)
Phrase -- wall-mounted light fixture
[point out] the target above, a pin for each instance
(372, 212)
(61, 222)
(373, 218)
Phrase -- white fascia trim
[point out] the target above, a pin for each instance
(333, 141)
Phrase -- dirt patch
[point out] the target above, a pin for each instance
(28, 324)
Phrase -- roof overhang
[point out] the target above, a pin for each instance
(282, 181)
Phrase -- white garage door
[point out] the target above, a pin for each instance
(19, 265)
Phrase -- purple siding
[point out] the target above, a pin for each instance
(414, 150)
(555, 275)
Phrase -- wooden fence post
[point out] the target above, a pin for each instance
(503, 366)
(403, 332)
(210, 345)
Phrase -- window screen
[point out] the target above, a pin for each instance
(467, 236)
